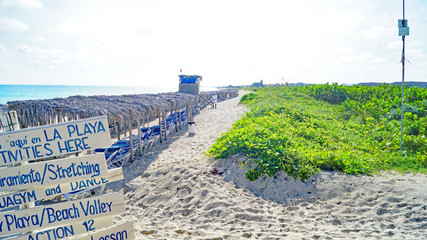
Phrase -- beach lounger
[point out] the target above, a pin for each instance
(108, 151)
(145, 141)
(119, 153)
(153, 137)
(119, 159)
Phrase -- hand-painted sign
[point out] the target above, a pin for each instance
(51, 172)
(20, 221)
(69, 230)
(23, 197)
(53, 140)
(41, 180)
(120, 232)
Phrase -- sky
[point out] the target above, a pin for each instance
(228, 42)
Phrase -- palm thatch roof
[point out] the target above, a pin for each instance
(116, 108)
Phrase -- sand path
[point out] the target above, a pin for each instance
(171, 194)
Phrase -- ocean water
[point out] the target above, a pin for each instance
(31, 92)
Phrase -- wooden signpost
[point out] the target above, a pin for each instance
(53, 140)
(69, 230)
(25, 220)
(124, 231)
(87, 218)
(17, 198)
(51, 172)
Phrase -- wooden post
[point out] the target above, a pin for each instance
(125, 128)
(164, 122)
(176, 120)
(10, 121)
(130, 139)
(180, 118)
(187, 113)
(160, 125)
(146, 117)
(118, 130)
(164, 125)
(139, 135)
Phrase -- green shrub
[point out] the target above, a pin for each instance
(302, 130)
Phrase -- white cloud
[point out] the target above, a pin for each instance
(54, 55)
(2, 48)
(23, 3)
(48, 55)
(395, 44)
(364, 57)
(228, 42)
(10, 24)
(338, 50)
(24, 48)
(374, 32)
(38, 38)
(5, 66)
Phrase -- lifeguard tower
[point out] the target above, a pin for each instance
(190, 83)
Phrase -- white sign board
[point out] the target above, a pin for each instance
(40, 217)
(53, 140)
(17, 198)
(120, 232)
(51, 172)
(69, 230)
(46, 179)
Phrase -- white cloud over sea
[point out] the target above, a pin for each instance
(10, 24)
(133, 42)
(22, 3)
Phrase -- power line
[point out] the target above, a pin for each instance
(416, 68)
(419, 11)
(385, 37)
(393, 72)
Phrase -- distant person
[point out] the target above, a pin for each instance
(214, 100)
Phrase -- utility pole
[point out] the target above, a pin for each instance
(403, 31)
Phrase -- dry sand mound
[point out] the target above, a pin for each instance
(174, 192)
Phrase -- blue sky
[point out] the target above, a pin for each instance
(146, 43)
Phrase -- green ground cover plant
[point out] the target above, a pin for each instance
(302, 130)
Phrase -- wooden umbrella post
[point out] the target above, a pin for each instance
(130, 138)
(118, 131)
(187, 113)
(180, 119)
(176, 120)
(160, 125)
(139, 136)
(164, 122)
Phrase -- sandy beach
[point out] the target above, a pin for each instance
(176, 192)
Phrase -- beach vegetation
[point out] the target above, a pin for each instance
(353, 129)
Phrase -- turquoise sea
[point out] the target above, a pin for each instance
(27, 92)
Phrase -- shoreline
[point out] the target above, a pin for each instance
(13, 92)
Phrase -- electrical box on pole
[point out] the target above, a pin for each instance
(403, 27)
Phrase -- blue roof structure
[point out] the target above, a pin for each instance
(189, 79)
